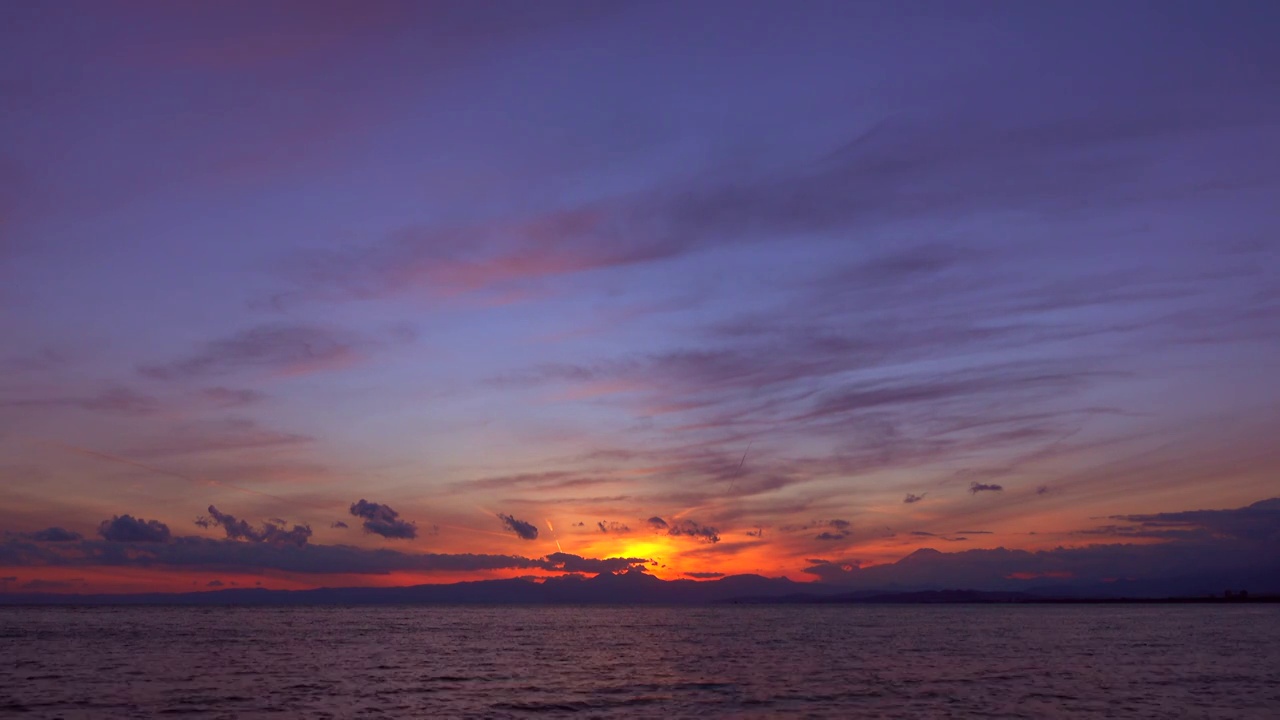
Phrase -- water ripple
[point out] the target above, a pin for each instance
(741, 661)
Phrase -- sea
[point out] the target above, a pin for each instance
(731, 661)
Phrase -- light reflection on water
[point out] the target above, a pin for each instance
(637, 662)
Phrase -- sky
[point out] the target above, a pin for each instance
(297, 294)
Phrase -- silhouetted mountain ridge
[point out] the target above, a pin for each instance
(639, 588)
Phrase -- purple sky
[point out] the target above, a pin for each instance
(536, 274)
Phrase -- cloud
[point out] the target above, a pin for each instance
(532, 482)
(199, 553)
(272, 531)
(704, 575)
(115, 400)
(684, 528)
(128, 529)
(912, 498)
(1259, 522)
(974, 532)
(1197, 551)
(522, 529)
(689, 528)
(936, 167)
(565, 562)
(839, 530)
(40, 585)
(455, 260)
(53, 534)
(214, 583)
(210, 436)
(613, 527)
(339, 525)
(277, 349)
(382, 520)
(977, 487)
(898, 421)
(229, 398)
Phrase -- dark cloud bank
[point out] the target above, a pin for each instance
(1201, 551)
(135, 542)
(1182, 553)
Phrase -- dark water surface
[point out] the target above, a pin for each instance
(632, 662)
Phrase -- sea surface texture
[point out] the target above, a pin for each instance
(639, 662)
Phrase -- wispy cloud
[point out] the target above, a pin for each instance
(274, 349)
(53, 534)
(215, 436)
(230, 398)
(115, 400)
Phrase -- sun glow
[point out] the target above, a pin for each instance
(645, 549)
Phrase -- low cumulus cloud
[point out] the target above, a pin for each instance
(704, 575)
(977, 487)
(339, 525)
(689, 528)
(685, 528)
(272, 531)
(522, 529)
(912, 498)
(381, 520)
(839, 530)
(613, 527)
(128, 529)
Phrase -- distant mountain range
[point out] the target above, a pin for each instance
(640, 588)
